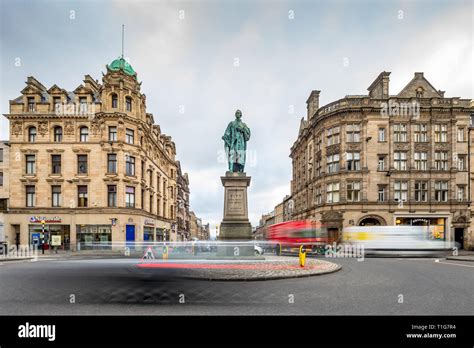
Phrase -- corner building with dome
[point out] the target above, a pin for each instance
(89, 165)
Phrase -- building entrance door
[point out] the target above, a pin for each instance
(459, 237)
(130, 234)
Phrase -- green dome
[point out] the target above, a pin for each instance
(122, 64)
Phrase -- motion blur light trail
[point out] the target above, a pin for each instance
(221, 266)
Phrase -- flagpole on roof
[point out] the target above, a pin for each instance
(123, 35)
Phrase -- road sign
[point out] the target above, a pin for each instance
(148, 254)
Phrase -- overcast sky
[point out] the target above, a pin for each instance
(208, 58)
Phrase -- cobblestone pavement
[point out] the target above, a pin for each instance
(271, 268)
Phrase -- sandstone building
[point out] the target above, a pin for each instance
(4, 189)
(183, 215)
(198, 230)
(382, 159)
(91, 163)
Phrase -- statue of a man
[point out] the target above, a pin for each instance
(235, 142)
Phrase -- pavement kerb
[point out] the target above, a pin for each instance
(17, 259)
(461, 258)
(335, 267)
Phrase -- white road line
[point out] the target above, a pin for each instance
(455, 264)
(415, 259)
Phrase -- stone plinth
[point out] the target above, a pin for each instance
(235, 225)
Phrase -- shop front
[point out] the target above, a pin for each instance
(160, 234)
(148, 234)
(148, 230)
(42, 228)
(94, 236)
(163, 231)
(436, 225)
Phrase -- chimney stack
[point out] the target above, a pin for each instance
(312, 104)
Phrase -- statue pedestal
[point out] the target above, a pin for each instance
(235, 226)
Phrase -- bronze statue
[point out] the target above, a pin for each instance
(235, 142)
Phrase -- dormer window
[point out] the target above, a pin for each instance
(31, 104)
(32, 134)
(57, 104)
(128, 103)
(82, 104)
(419, 92)
(114, 100)
(84, 134)
(58, 134)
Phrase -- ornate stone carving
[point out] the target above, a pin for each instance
(332, 216)
(442, 146)
(422, 147)
(69, 128)
(401, 146)
(43, 127)
(17, 128)
(96, 127)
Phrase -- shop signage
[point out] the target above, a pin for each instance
(48, 220)
(149, 222)
(419, 220)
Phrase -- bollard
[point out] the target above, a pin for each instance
(302, 256)
(278, 249)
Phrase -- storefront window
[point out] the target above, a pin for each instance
(436, 226)
(159, 234)
(94, 236)
(36, 236)
(148, 234)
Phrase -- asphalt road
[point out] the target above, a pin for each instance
(118, 287)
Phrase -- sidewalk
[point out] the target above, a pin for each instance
(66, 254)
(464, 255)
(62, 254)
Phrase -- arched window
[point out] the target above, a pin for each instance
(84, 134)
(32, 134)
(114, 101)
(58, 134)
(128, 103)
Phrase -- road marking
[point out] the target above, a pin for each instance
(455, 264)
(415, 259)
